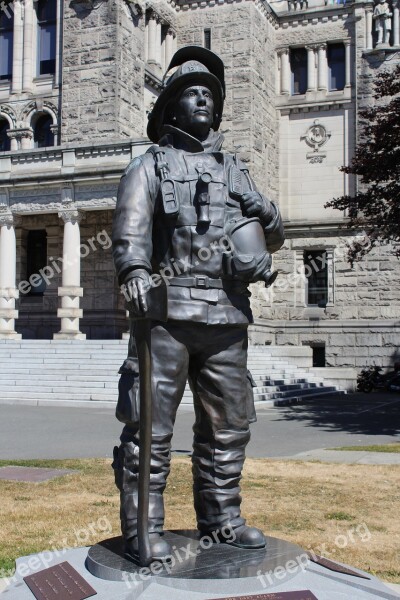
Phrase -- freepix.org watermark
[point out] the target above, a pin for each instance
(181, 554)
(77, 537)
(182, 265)
(46, 274)
(353, 536)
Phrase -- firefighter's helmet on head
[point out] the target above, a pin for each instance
(194, 65)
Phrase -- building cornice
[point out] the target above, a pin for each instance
(34, 180)
(313, 16)
(261, 5)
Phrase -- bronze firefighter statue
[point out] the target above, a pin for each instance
(190, 217)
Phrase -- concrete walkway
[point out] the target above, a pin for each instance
(284, 432)
(351, 457)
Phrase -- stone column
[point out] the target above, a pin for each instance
(146, 40)
(158, 42)
(347, 48)
(70, 291)
(285, 70)
(8, 264)
(330, 259)
(26, 137)
(152, 38)
(58, 44)
(16, 86)
(14, 139)
(310, 69)
(169, 46)
(368, 34)
(396, 24)
(322, 68)
(55, 129)
(28, 46)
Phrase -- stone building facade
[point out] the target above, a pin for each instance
(77, 80)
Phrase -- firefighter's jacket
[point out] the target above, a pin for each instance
(176, 246)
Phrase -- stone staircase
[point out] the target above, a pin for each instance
(70, 373)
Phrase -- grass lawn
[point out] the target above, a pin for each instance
(348, 513)
(378, 448)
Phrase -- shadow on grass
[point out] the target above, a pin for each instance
(370, 414)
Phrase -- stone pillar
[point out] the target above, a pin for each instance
(330, 260)
(146, 40)
(55, 129)
(347, 48)
(152, 37)
(169, 46)
(368, 34)
(322, 68)
(285, 70)
(158, 42)
(16, 86)
(26, 137)
(8, 290)
(311, 86)
(14, 139)
(28, 46)
(70, 291)
(58, 45)
(396, 24)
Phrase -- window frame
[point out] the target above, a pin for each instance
(8, 30)
(207, 38)
(49, 118)
(304, 67)
(41, 24)
(311, 258)
(7, 126)
(330, 47)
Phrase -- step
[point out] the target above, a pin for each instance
(295, 393)
(36, 395)
(297, 399)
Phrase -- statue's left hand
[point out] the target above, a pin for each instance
(255, 205)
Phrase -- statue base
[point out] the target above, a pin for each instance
(201, 570)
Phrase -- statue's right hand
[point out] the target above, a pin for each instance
(137, 287)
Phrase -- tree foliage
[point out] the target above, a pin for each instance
(375, 208)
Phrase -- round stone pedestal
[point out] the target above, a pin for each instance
(196, 559)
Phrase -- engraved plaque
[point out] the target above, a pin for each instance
(61, 582)
(333, 566)
(300, 595)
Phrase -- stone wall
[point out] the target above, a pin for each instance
(103, 73)
(360, 326)
(246, 47)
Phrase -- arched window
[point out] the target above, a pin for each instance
(6, 41)
(43, 136)
(47, 19)
(4, 139)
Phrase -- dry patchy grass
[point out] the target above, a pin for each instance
(315, 505)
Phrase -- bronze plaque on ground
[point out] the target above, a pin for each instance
(300, 595)
(61, 582)
(333, 566)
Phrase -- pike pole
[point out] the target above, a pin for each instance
(143, 345)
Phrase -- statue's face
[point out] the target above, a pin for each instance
(194, 111)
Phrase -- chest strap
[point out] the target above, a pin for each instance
(167, 185)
